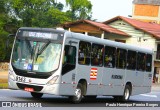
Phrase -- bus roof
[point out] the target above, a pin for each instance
(42, 29)
(109, 43)
(92, 39)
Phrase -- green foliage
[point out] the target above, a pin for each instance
(36, 13)
(4, 85)
(3, 33)
(79, 9)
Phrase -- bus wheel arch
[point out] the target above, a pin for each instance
(130, 85)
(79, 92)
(83, 82)
(127, 92)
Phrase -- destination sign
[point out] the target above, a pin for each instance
(43, 35)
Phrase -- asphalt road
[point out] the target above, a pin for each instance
(18, 96)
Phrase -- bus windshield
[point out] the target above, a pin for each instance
(36, 56)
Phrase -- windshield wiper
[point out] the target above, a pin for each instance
(42, 49)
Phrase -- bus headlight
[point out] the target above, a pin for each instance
(53, 80)
(11, 76)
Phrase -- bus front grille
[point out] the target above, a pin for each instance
(23, 86)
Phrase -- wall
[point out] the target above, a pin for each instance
(146, 10)
(146, 13)
(138, 37)
(84, 27)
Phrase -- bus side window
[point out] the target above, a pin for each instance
(141, 61)
(84, 53)
(97, 55)
(109, 58)
(121, 58)
(149, 63)
(131, 60)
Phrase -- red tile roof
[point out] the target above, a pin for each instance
(102, 26)
(150, 28)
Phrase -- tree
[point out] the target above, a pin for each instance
(79, 9)
(29, 13)
(37, 13)
(3, 33)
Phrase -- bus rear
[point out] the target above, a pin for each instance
(35, 61)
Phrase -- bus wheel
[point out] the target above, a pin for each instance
(126, 94)
(78, 94)
(36, 95)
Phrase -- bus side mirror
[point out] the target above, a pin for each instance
(8, 40)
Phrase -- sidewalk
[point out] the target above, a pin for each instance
(156, 86)
(3, 74)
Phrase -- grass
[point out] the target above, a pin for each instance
(3, 84)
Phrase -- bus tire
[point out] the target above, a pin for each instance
(36, 95)
(126, 94)
(78, 94)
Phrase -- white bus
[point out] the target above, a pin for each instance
(58, 62)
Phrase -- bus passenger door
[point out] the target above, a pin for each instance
(69, 68)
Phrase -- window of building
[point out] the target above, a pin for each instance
(141, 61)
(121, 59)
(131, 60)
(149, 63)
(97, 54)
(84, 53)
(158, 52)
(109, 59)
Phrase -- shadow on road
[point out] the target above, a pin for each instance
(65, 102)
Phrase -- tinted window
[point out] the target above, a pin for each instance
(149, 63)
(70, 55)
(69, 59)
(141, 61)
(109, 59)
(97, 54)
(121, 59)
(84, 53)
(131, 60)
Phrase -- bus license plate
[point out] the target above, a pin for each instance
(28, 89)
(20, 79)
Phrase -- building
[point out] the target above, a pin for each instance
(94, 29)
(146, 10)
(143, 34)
(126, 30)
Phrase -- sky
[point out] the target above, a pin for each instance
(102, 10)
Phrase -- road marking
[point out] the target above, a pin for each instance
(154, 96)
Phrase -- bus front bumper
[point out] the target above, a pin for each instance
(46, 89)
